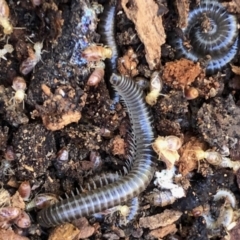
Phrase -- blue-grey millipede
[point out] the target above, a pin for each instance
(127, 187)
(107, 178)
(107, 30)
(219, 40)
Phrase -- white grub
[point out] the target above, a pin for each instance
(166, 148)
(225, 218)
(227, 214)
(226, 194)
(156, 86)
(8, 48)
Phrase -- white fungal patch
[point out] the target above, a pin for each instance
(164, 180)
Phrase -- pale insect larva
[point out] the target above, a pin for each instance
(226, 215)
(217, 39)
(227, 194)
(127, 187)
(161, 198)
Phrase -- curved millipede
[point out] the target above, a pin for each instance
(211, 30)
(108, 178)
(127, 187)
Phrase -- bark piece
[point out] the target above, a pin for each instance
(149, 27)
(160, 220)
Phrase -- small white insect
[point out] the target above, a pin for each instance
(156, 86)
(33, 58)
(19, 85)
(217, 159)
(8, 48)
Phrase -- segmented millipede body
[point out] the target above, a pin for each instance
(107, 30)
(211, 31)
(127, 187)
(108, 178)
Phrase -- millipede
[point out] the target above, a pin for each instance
(125, 188)
(107, 31)
(99, 181)
(212, 34)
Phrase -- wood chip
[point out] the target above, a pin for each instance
(17, 201)
(162, 232)
(10, 235)
(235, 232)
(66, 231)
(160, 220)
(183, 9)
(235, 69)
(149, 27)
(86, 230)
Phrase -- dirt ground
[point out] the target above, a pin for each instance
(62, 127)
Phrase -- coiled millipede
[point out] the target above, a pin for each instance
(141, 169)
(212, 34)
